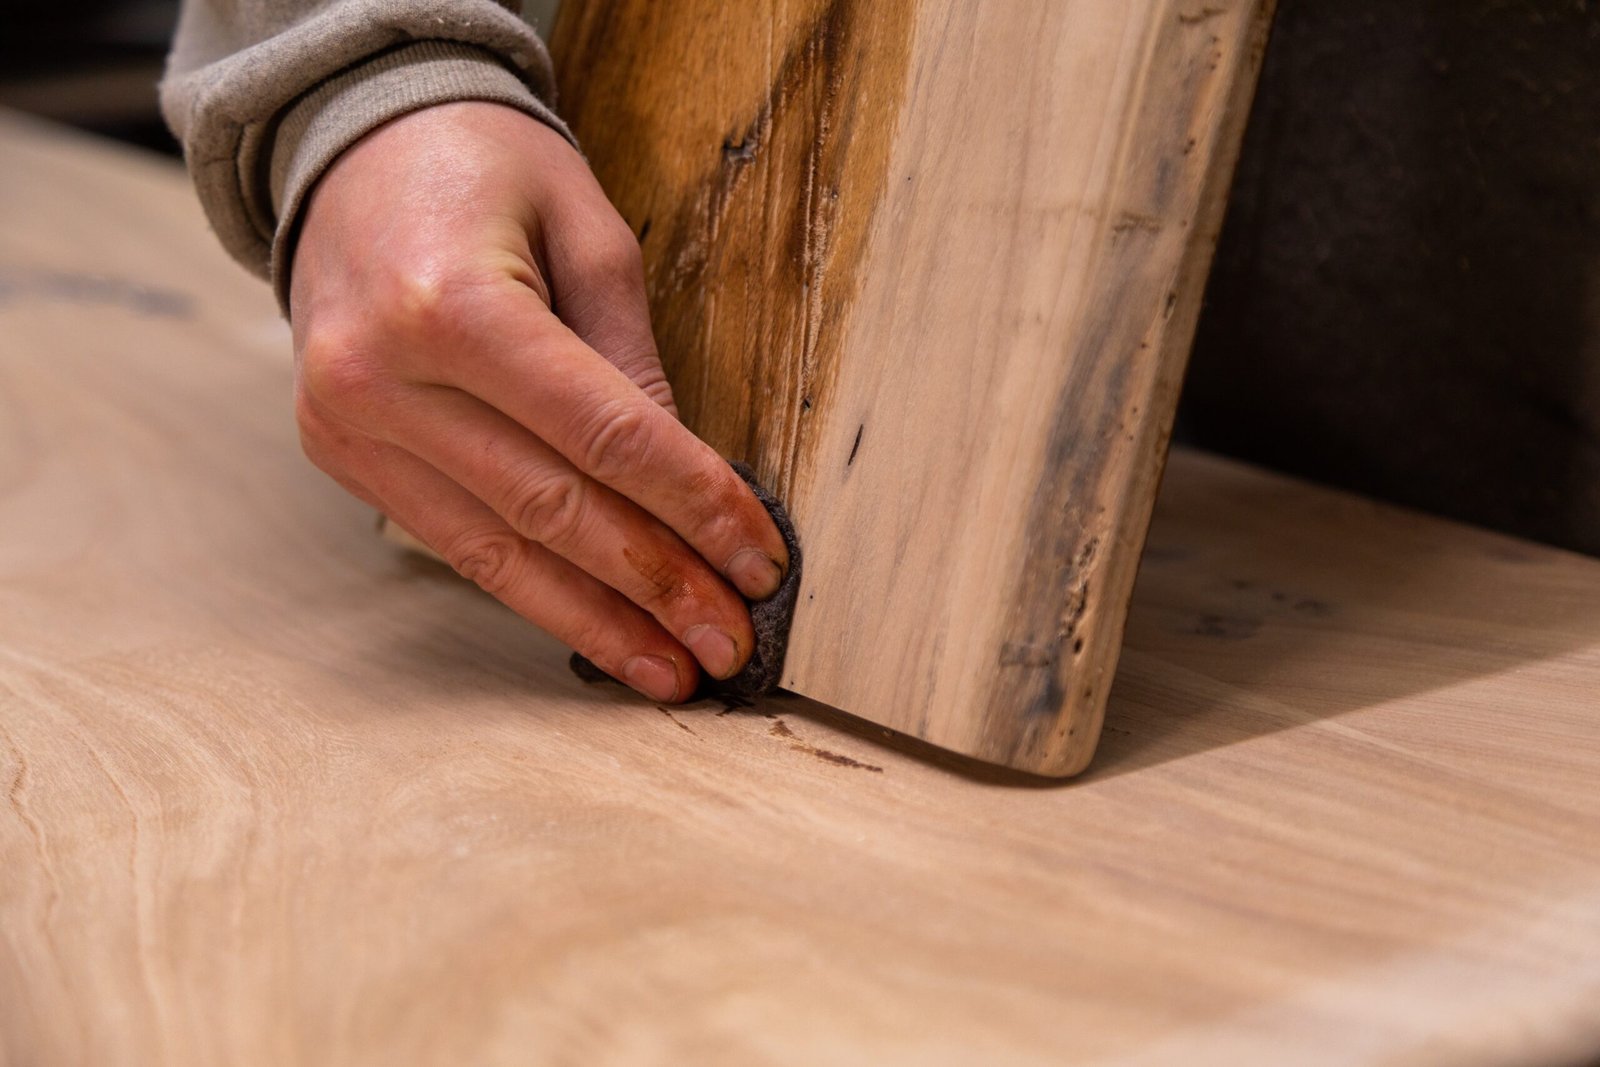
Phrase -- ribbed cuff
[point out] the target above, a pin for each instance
(340, 111)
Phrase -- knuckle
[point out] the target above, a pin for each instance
(423, 303)
(316, 450)
(642, 364)
(592, 641)
(615, 258)
(337, 373)
(651, 378)
(720, 515)
(549, 510)
(416, 303)
(306, 415)
(320, 441)
(488, 559)
(314, 443)
(620, 441)
(305, 407)
(624, 258)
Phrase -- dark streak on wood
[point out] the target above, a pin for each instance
(759, 238)
(1132, 220)
(744, 151)
(781, 731)
(1078, 505)
(679, 723)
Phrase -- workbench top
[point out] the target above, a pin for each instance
(280, 793)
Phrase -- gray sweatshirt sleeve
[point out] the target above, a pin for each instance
(265, 94)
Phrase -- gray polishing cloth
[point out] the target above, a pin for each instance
(770, 617)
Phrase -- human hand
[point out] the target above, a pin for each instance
(474, 359)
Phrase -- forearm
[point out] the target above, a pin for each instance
(265, 94)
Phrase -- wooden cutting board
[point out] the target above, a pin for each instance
(933, 267)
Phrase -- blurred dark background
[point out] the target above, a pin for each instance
(93, 63)
(1406, 297)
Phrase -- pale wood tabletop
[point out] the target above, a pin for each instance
(279, 793)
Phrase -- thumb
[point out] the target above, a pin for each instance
(598, 292)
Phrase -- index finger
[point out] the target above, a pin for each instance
(522, 360)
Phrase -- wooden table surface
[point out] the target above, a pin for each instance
(278, 793)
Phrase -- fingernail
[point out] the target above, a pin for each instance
(653, 676)
(755, 573)
(714, 649)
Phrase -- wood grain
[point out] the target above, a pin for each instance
(274, 792)
(748, 146)
(933, 267)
